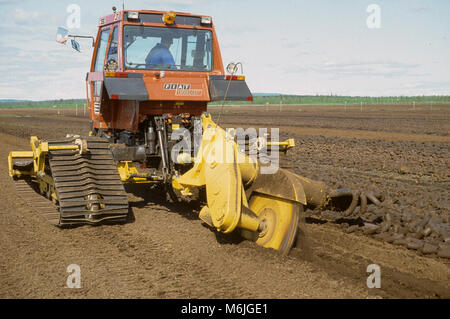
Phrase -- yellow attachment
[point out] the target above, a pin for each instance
(129, 173)
(13, 156)
(226, 173)
(216, 167)
(126, 169)
(39, 150)
(285, 145)
(169, 18)
(265, 207)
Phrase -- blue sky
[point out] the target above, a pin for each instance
(285, 46)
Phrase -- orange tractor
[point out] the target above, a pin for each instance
(152, 76)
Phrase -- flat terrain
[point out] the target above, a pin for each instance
(165, 251)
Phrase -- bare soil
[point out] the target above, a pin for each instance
(165, 251)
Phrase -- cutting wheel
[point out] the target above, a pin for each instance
(279, 221)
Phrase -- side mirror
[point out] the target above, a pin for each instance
(232, 68)
(62, 35)
(75, 45)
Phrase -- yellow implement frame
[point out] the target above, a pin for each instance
(239, 196)
(37, 169)
(130, 175)
(37, 154)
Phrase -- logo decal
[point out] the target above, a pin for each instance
(182, 89)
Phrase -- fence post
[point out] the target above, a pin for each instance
(361, 106)
(76, 110)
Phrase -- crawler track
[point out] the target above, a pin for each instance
(45, 208)
(88, 186)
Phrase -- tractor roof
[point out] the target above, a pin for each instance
(150, 16)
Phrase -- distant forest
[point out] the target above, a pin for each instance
(265, 99)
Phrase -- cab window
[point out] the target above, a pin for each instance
(157, 48)
(101, 51)
(112, 59)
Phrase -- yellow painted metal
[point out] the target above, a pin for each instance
(216, 167)
(22, 154)
(223, 181)
(126, 169)
(265, 207)
(130, 175)
(249, 221)
(279, 220)
(18, 155)
(285, 145)
(39, 150)
(63, 147)
(47, 187)
(225, 172)
(249, 171)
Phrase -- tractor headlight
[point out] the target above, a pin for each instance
(206, 20)
(132, 15)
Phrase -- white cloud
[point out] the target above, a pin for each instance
(419, 7)
(363, 68)
(21, 16)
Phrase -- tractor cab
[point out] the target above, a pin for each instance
(149, 63)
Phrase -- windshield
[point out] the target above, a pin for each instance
(156, 48)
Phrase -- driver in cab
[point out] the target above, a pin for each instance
(160, 54)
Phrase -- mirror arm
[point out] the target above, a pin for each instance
(83, 37)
